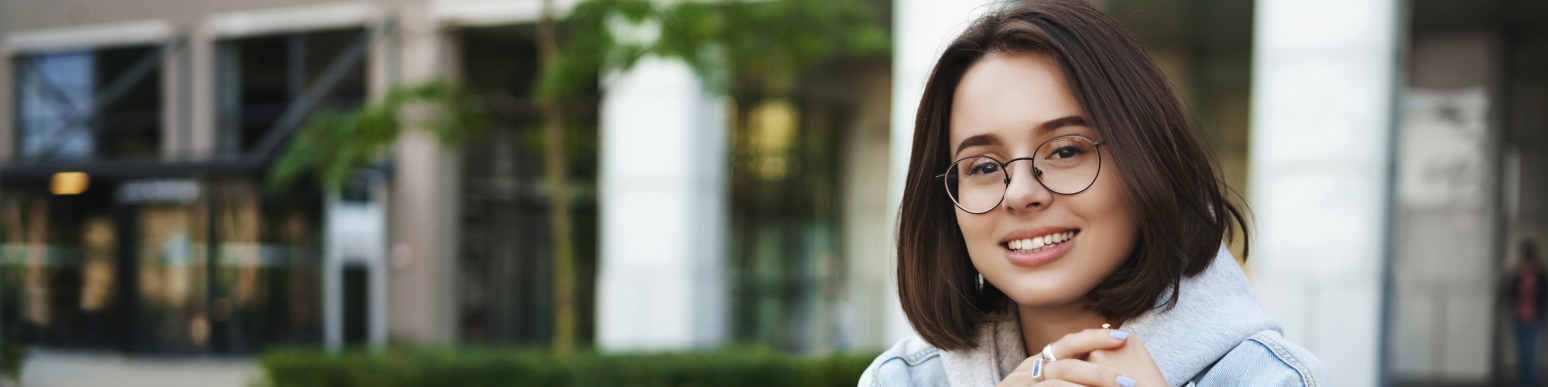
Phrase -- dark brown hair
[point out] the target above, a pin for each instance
(1169, 179)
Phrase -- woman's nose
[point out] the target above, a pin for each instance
(1024, 191)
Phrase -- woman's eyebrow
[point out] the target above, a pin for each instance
(1061, 122)
(1045, 127)
(982, 139)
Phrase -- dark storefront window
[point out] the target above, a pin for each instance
(63, 257)
(798, 158)
(269, 266)
(59, 269)
(58, 92)
(260, 76)
(169, 240)
(505, 271)
(785, 259)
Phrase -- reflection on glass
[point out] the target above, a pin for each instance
(269, 278)
(56, 253)
(171, 277)
(97, 245)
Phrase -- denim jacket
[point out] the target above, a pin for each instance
(1217, 335)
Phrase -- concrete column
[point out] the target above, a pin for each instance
(176, 127)
(202, 130)
(1322, 134)
(8, 114)
(424, 208)
(661, 281)
(867, 240)
(921, 29)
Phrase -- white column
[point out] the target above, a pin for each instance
(661, 281)
(1323, 88)
(921, 30)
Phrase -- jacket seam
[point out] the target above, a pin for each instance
(1285, 356)
(915, 359)
(909, 360)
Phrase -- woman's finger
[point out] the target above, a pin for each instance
(1025, 374)
(1056, 383)
(1077, 345)
(1086, 374)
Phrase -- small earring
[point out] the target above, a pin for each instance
(980, 282)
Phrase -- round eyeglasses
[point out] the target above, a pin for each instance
(1065, 165)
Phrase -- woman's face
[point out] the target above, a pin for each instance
(1009, 105)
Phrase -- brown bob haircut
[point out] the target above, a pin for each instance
(1169, 178)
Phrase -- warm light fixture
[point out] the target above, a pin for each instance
(69, 183)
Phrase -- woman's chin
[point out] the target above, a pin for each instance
(1042, 297)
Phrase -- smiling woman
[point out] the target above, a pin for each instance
(1057, 186)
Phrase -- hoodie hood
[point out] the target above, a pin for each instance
(1216, 311)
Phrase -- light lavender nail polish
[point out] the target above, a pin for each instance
(1120, 335)
(1125, 381)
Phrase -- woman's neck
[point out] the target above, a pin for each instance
(1043, 325)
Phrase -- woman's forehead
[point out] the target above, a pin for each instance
(1009, 96)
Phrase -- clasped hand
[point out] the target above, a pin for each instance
(1093, 357)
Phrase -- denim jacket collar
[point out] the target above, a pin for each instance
(1217, 311)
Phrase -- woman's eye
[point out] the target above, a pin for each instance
(984, 168)
(1067, 152)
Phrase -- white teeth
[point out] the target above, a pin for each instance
(1039, 243)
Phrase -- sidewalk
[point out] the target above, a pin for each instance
(72, 369)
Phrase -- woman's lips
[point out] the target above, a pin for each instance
(1044, 256)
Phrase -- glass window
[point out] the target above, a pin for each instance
(260, 76)
(59, 266)
(57, 95)
(505, 270)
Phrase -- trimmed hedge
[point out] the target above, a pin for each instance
(312, 367)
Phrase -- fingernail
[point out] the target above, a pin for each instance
(1037, 368)
(1125, 381)
(1120, 335)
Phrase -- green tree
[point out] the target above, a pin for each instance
(742, 48)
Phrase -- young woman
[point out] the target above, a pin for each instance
(1061, 223)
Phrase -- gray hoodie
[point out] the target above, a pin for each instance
(1218, 334)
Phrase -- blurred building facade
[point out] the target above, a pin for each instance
(1389, 149)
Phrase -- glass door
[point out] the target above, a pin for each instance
(171, 278)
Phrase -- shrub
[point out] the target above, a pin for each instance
(413, 367)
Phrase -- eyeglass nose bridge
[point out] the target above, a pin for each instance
(1037, 174)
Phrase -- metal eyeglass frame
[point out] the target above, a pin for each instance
(1036, 173)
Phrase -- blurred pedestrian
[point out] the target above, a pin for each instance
(1061, 223)
(1527, 294)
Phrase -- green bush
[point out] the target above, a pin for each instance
(413, 367)
(12, 354)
